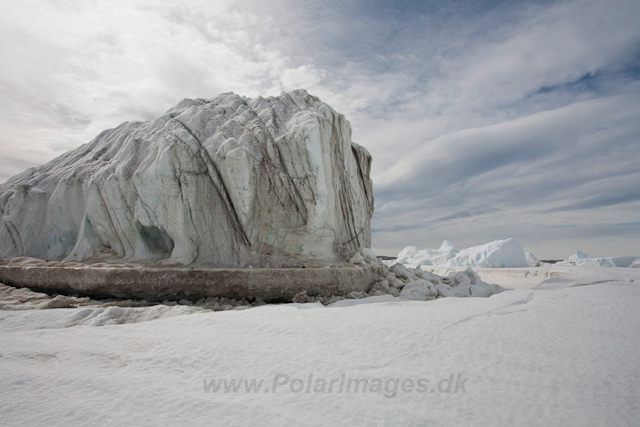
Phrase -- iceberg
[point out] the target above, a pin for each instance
(581, 258)
(496, 254)
(222, 182)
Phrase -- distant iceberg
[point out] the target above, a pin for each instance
(497, 254)
(581, 258)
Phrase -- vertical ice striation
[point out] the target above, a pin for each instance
(225, 182)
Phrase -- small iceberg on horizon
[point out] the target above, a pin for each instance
(505, 253)
(581, 258)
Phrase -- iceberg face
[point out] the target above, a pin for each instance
(226, 182)
(447, 246)
(581, 258)
(496, 254)
(578, 256)
(532, 260)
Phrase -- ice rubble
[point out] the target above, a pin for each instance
(495, 254)
(223, 182)
(411, 283)
(581, 258)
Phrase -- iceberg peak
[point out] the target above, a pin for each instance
(447, 246)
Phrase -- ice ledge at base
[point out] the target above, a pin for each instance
(164, 283)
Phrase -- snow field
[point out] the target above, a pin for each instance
(562, 353)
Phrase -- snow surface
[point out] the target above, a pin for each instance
(564, 352)
(496, 254)
(581, 258)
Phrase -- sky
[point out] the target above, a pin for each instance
(485, 119)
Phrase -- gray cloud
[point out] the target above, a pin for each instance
(600, 201)
(485, 119)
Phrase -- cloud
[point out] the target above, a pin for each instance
(85, 68)
(577, 132)
(485, 119)
(621, 197)
(585, 153)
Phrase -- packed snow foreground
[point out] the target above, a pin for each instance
(563, 352)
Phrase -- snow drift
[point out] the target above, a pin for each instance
(224, 182)
(533, 358)
(496, 254)
(581, 258)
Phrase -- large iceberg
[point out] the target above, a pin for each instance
(496, 254)
(581, 258)
(224, 182)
